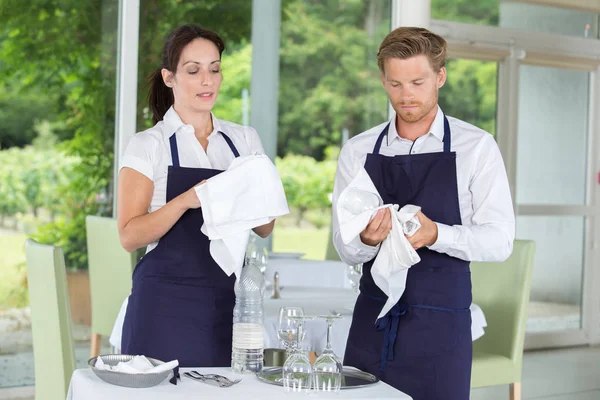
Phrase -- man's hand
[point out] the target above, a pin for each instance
(378, 229)
(426, 235)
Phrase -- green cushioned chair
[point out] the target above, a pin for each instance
(110, 269)
(502, 292)
(50, 320)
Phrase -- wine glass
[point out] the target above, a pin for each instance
(354, 273)
(290, 318)
(257, 254)
(327, 370)
(297, 372)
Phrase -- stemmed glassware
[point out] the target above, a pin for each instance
(297, 370)
(354, 273)
(256, 254)
(327, 370)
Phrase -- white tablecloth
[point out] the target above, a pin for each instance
(85, 385)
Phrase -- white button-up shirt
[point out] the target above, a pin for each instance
(149, 152)
(488, 222)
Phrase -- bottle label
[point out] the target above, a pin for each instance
(248, 336)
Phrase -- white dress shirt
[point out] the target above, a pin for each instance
(149, 152)
(488, 222)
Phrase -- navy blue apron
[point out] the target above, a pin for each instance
(181, 302)
(423, 345)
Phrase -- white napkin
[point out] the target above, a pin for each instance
(478, 321)
(137, 365)
(248, 194)
(357, 205)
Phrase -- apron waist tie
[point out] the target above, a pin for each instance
(389, 324)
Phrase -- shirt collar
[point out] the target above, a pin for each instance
(436, 129)
(172, 123)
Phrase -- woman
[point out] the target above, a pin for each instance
(181, 304)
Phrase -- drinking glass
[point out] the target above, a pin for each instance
(327, 370)
(297, 372)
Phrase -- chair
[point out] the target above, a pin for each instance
(50, 320)
(110, 268)
(502, 291)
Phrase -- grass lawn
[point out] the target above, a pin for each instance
(12, 253)
(312, 242)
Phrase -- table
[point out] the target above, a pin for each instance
(85, 385)
(314, 301)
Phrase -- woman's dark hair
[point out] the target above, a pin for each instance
(160, 97)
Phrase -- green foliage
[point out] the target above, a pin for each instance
(18, 115)
(483, 12)
(34, 179)
(307, 182)
(74, 63)
(13, 273)
(470, 92)
(329, 77)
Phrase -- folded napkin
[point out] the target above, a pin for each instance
(478, 322)
(248, 194)
(356, 206)
(137, 365)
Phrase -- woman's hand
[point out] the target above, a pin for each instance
(190, 198)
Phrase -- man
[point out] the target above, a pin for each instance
(454, 172)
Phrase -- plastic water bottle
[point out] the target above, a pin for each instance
(248, 331)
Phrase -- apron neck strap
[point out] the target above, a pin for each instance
(447, 137)
(382, 135)
(175, 152)
(231, 145)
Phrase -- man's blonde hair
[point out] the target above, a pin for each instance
(407, 42)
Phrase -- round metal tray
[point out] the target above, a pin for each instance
(127, 380)
(351, 377)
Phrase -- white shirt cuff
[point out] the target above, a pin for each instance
(364, 249)
(445, 238)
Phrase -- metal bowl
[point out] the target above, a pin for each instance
(128, 380)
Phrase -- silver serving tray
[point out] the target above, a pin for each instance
(124, 379)
(351, 377)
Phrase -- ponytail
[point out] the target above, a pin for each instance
(160, 97)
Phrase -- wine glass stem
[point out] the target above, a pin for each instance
(329, 325)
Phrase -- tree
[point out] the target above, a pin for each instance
(483, 12)
(328, 75)
(470, 92)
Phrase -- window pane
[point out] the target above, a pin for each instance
(517, 15)
(552, 136)
(555, 300)
(470, 92)
(329, 89)
(57, 94)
